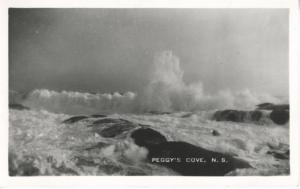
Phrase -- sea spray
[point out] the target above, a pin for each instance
(165, 92)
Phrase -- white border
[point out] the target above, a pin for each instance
(154, 181)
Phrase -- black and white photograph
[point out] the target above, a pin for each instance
(148, 92)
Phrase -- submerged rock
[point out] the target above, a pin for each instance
(74, 119)
(280, 117)
(147, 137)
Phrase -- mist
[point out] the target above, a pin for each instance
(111, 50)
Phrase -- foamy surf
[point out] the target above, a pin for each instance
(41, 141)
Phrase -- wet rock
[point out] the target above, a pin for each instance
(256, 115)
(230, 115)
(115, 130)
(98, 115)
(190, 160)
(147, 137)
(184, 158)
(18, 107)
(74, 119)
(280, 117)
(237, 115)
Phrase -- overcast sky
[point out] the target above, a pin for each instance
(106, 50)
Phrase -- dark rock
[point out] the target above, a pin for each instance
(215, 133)
(230, 115)
(114, 130)
(186, 156)
(147, 137)
(256, 115)
(280, 117)
(237, 115)
(18, 107)
(98, 115)
(74, 119)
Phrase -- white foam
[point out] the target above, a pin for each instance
(41, 134)
(166, 92)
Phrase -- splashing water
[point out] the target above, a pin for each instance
(165, 92)
(41, 143)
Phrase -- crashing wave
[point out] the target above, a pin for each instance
(166, 92)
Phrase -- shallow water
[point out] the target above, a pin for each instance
(41, 143)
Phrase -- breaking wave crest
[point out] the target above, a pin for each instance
(78, 103)
(166, 92)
